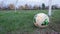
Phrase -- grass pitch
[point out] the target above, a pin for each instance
(22, 21)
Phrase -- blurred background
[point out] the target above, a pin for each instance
(28, 4)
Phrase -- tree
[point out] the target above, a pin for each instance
(26, 6)
(43, 6)
(21, 7)
(36, 7)
(29, 7)
(11, 6)
(55, 6)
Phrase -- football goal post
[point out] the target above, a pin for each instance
(16, 4)
(50, 7)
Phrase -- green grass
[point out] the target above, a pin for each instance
(22, 20)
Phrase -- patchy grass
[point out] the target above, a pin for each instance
(22, 21)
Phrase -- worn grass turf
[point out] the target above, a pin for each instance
(22, 21)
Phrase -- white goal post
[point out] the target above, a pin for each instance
(16, 4)
(50, 7)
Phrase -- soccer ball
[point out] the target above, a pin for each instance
(41, 20)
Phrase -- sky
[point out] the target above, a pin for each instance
(30, 2)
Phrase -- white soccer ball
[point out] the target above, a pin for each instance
(41, 20)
